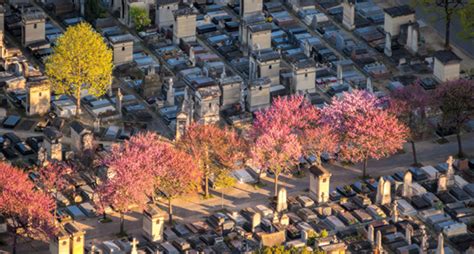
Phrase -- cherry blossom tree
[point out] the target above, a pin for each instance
(276, 150)
(178, 175)
(301, 120)
(364, 128)
(213, 149)
(456, 101)
(410, 104)
(132, 164)
(28, 210)
(53, 178)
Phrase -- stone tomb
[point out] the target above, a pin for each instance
(153, 223)
(319, 183)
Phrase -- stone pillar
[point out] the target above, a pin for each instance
(282, 204)
(409, 36)
(388, 44)
(414, 42)
(153, 224)
(170, 93)
(379, 195)
(378, 242)
(395, 211)
(407, 188)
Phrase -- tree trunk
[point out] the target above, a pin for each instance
(206, 186)
(448, 26)
(222, 197)
(78, 102)
(15, 239)
(413, 148)
(122, 222)
(276, 184)
(170, 211)
(318, 159)
(104, 215)
(460, 151)
(364, 175)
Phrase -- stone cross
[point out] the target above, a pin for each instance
(281, 200)
(442, 183)
(394, 211)
(369, 87)
(408, 233)
(388, 45)
(378, 242)
(370, 234)
(440, 248)
(407, 188)
(134, 246)
(450, 171)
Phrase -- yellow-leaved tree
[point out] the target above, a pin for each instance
(80, 61)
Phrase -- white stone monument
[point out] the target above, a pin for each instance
(282, 204)
(134, 244)
(370, 234)
(450, 171)
(407, 188)
(440, 248)
(442, 183)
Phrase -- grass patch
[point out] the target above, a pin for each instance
(442, 141)
(259, 185)
(106, 220)
(299, 174)
(120, 235)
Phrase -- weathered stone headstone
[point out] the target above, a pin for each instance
(282, 204)
(340, 79)
(388, 45)
(285, 220)
(379, 195)
(440, 248)
(370, 234)
(256, 219)
(170, 92)
(395, 212)
(407, 188)
(442, 183)
(387, 193)
(408, 233)
(378, 242)
(118, 100)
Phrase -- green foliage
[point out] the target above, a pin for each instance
(467, 19)
(139, 17)
(283, 250)
(94, 10)
(224, 180)
(324, 233)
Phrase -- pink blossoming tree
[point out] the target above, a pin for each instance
(364, 128)
(28, 210)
